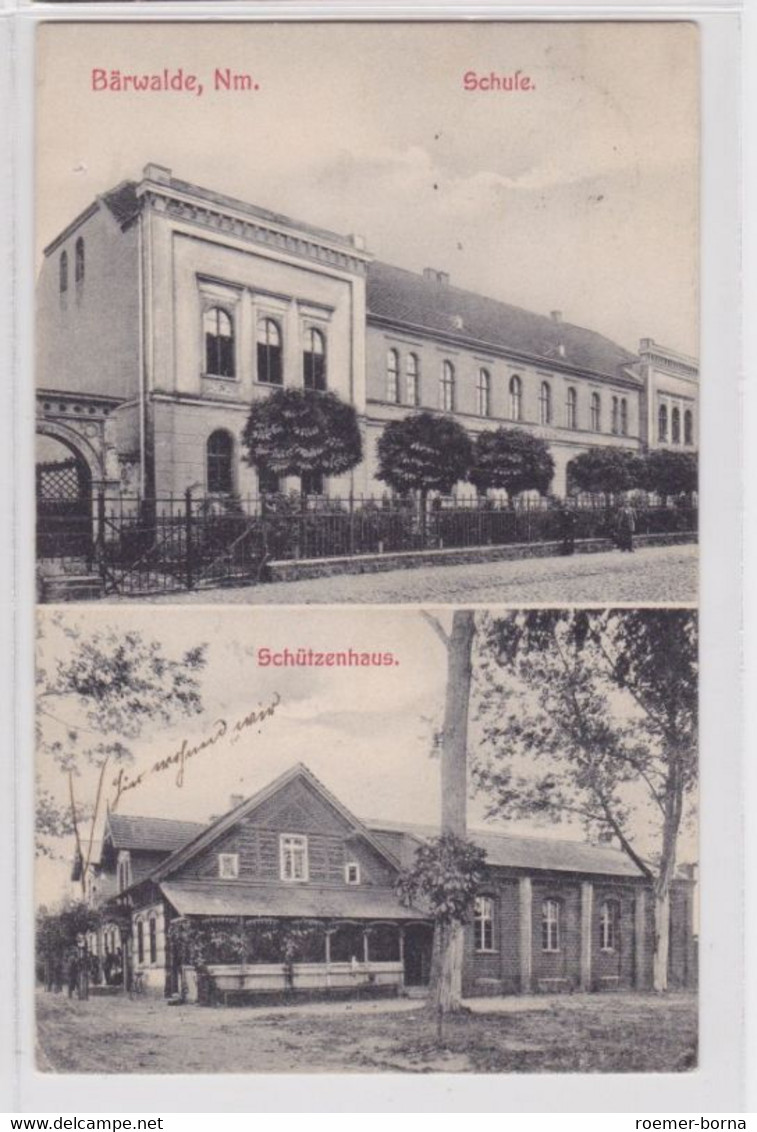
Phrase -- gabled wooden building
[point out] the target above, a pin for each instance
(291, 891)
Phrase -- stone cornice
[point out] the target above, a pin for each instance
(253, 228)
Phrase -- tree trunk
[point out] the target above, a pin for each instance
(661, 940)
(671, 825)
(445, 991)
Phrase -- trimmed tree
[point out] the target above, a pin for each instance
(423, 452)
(513, 459)
(297, 432)
(671, 473)
(592, 717)
(605, 471)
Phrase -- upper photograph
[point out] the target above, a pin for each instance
(367, 313)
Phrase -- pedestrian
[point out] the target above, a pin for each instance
(567, 528)
(625, 526)
(72, 972)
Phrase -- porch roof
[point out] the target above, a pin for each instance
(215, 898)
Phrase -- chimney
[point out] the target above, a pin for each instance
(159, 173)
(431, 275)
(357, 241)
(556, 316)
(235, 800)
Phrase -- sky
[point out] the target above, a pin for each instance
(366, 733)
(579, 194)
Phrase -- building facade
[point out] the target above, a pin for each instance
(311, 889)
(165, 310)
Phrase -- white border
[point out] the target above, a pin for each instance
(719, 1084)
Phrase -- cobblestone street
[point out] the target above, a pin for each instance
(652, 574)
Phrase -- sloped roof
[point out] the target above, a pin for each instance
(122, 201)
(404, 297)
(207, 834)
(513, 851)
(218, 898)
(127, 832)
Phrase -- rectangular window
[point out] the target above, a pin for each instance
(483, 923)
(293, 848)
(228, 866)
(352, 872)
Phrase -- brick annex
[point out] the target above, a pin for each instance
(309, 889)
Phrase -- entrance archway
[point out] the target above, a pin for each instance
(64, 500)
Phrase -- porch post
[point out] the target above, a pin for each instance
(365, 945)
(639, 933)
(587, 905)
(327, 936)
(525, 915)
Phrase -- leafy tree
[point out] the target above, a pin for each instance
(445, 992)
(294, 432)
(445, 877)
(92, 701)
(606, 470)
(671, 473)
(593, 716)
(513, 459)
(423, 452)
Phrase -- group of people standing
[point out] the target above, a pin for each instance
(76, 969)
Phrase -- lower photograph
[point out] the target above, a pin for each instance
(366, 840)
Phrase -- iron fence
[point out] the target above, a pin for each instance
(185, 541)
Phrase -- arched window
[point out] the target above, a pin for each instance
(688, 427)
(596, 413)
(550, 925)
(624, 417)
(79, 262)
(63, 272)
(662, 423)
(392, 376)
(220, 454)
(413, 380)
(545, 403)
(516, 398)
(447, 387)
(483, 393)
(219, 342)
(675, 426)
(314, 360)
(571, 413)
(153, 934)
(615, 417)
(269, 352)
(609, 919)
(483, 923)
(140, 941)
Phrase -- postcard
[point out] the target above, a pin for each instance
(374, 346)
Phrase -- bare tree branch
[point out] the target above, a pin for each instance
(436, 625)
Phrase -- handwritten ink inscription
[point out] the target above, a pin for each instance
(222, 729)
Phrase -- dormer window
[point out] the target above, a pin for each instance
(293, 855)
(352, 873)
(124, 871)
(228, 866)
